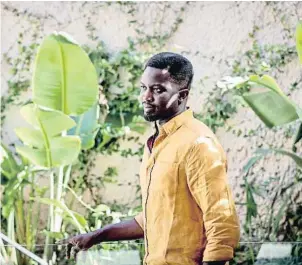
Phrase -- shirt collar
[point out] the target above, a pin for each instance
(172, 125)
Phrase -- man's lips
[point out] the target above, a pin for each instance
(148, 107)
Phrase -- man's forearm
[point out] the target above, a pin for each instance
(126, 230)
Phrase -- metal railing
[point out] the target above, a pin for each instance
(131, 253)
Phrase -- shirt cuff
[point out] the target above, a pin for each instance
(140, 220)
(220, 253)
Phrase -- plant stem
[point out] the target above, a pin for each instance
(122, 118)
(29, 234)
(273, 204)
(3, 253)
(52, 196)
(67, 177)
(11, 235)
(47, 249)
(20, 223)
(45, 252)
(35, 221)
(58, 212)
(66, 180)
(73, 198)
(80, 201)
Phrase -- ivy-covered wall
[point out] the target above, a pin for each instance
(220, 38)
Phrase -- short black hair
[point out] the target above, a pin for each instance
(179, 67)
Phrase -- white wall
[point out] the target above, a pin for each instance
(219, 31)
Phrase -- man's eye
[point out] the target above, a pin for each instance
(143, 88)
(158, 90)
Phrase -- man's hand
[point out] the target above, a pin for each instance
(126, 230)
(78, 243)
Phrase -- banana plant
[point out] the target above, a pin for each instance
(267, 99)
(62, 115)
(270, 104)
(274, 108)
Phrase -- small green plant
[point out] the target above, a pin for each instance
(20, 224)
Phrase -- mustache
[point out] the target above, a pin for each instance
(148, 104)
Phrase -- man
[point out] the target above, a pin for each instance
(188, 213)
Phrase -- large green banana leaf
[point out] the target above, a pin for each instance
(271, 105)
(299, 40)
(86, 127)
(64, 78)
(44, 146)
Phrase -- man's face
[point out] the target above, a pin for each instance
(159, 94)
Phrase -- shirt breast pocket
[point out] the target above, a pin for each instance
(164, 178)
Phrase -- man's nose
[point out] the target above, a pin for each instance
(148, 95)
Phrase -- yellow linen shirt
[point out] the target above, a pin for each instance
(188, 210)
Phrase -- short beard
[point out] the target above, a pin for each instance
(150, 118)
(156, 117)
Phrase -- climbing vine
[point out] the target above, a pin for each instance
(223, 101)
(118, 80)
(119, 73)
(153, 33)
(118, 83)
(19, 69)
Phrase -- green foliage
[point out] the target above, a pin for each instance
(155, 40)
(15, 89)
(225, 98)
(118, 79)
(120, 111)
(274, 108)
(217, 110)
(21, 218)
(102, 132)
(62, 84)
(86, 127)
(44, 146)
(75, 218)
(264, 103)
(20, 67)
(64, 78)
(295, 157)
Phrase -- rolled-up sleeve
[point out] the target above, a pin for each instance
(207, 181)
(140, 220)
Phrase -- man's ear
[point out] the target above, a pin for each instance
(183, 94)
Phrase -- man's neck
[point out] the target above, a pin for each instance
(162, 122)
